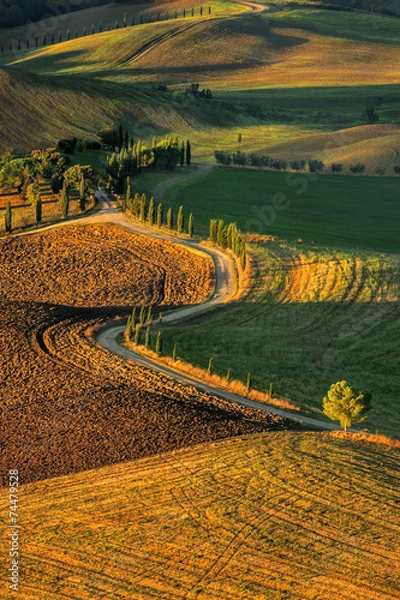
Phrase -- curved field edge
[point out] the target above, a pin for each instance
(292, 515)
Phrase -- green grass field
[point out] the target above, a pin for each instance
(268, 516)
(340, 212)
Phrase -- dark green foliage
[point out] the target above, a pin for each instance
(370, 115)
(358, 168)
(170, 219)
(336, 167)
(182, 154)
(315, 166)
(159, 344)
(64, 201)
(38, 210)
(159, 215)
(8, 217)
(190, 225)
(175, 353)
(82, 195)
(188, 153)
(128, 200)
(181, 220)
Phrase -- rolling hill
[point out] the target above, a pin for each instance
(269, 516)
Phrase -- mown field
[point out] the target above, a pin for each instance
(68, 405)
(270, 516)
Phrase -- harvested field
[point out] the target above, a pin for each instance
(68, 405)
(278, 516)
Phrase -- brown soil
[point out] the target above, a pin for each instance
(68, 405)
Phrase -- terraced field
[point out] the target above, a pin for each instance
(293, 516)
(68, 405)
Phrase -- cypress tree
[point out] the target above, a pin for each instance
(271, 392)
(92, 29)
(160, 215)
(193, 12)
(143, 203)
(128, 330)
(84, 31)
(220, 229)
(150, 314)
(116, 23)
(147, 338)
(159, 344)
(229, 375)
(170, 219)
(175, 353)
(59, 37)
(128, 195)
(210, 366)
(213, 230)
(182, 154)
(133, 317)
(68, 35)
(188, 153)
(38, 210)
(137, 335)
(82, 195)
(248, 382)
(181, 220)
(190, 225)
(52, 38)
(184, 13)
(64, 201)
(151, 213)
(8, 217)
(44, 41)
(243, 261)
(125, 20)
(142, 316)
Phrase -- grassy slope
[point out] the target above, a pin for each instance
(269, 516)
(316, 312)
(326, 209)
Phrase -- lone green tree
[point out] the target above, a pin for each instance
(151, 211)
(8, 217)
(64, 201)
(346, 404)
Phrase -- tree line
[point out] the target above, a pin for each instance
(13, 16)
(132, 156)
(228, 236)
(262, 161)
(146, 211)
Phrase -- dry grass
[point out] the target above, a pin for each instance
(68, 405)
(372, 145)
(294, 516)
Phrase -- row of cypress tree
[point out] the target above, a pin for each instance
(228, 236)
(145, 209)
